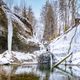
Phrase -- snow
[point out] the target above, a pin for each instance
(38, 31)
(21, 58)
(10, 32)
(34, 41)
(60, 46)
(14, 18)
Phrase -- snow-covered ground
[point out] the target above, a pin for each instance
(20, 57)
(59, 47)
(67, 43)
(17, 57)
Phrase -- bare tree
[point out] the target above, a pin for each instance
(67, 12)
(48, 20)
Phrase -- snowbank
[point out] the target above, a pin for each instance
(21, 57)
(17, 58)
(70, 40)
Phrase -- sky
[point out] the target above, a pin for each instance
(35, 4)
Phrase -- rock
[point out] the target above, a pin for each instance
(45, 58)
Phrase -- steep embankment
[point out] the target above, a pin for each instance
(67, 43)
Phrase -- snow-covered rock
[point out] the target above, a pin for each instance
(17, 58)
(21, 57)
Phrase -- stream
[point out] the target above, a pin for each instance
(39, 72)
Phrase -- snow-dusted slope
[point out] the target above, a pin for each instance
(20, 57)
(66, 43)
(17, 58)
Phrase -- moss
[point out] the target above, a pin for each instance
(3, 43)
(25, 77)
(52, 36)
(2, 77)
(17, 43)
(20, 77)
(65, 28)
(3, 23)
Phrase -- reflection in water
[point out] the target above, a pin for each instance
(39, 72)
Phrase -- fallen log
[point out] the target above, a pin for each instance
(62, 60)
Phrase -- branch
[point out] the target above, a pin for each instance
(69, 54)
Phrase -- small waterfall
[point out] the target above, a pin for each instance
(51, 61)
(10, 32)
(12, 17)
(10, 27)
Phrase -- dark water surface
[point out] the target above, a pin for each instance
(39, 72)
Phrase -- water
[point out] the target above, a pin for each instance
(11, 17)
(51, 61)
(10, 27)
(39, 72)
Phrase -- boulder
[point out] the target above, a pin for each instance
(46, 58)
